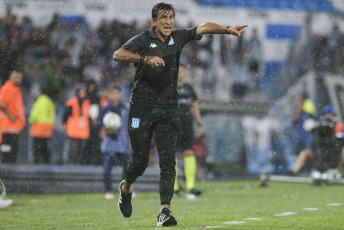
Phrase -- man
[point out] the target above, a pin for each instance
(115, 144)
(12, 117)
(305, 110)
(189, 112)
(42, 117)
(92, 154)
(326, 147)
(154, 100)
(76, 120)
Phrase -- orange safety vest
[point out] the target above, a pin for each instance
(77, 125)
(11, 98)
(39, 130)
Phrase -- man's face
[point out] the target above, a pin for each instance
(82, 93)
(16, 78)
(329, 116)
(115, 96)
(164, 23)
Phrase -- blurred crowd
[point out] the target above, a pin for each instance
(67, 51)
(323, 54)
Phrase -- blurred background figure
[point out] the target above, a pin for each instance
(42, 117)
(326, 148)
(305, 110)
(92, 154)
(115, 143)
(254, 58)
(76, 120)
(189, 112)
(12, 117)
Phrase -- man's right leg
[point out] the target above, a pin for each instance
(301, 160)
(341, 159)
(140, 134)
(73, 151)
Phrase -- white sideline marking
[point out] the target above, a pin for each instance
(285, 214)
(311, 209)
(234, 222)
(254, 218)
(334, 204)
(216, 226)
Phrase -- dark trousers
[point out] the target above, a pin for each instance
(91, 154)
(41, 151)
(109, 160)
(165, 124)
(76, 147)
(9, 148)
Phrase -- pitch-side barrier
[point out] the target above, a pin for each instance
(297, 179)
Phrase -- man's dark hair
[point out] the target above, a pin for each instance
(162, 6)
(44, 90)
(115, 87)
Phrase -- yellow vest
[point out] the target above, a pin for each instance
(42, 117)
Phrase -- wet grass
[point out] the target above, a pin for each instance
(224, 205)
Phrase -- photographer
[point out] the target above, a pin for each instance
(326, 150)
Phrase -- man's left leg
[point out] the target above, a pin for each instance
(166, 132)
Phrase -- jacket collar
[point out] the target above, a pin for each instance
(153, 35)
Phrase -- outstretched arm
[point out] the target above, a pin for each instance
(214, 28)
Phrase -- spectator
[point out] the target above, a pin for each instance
(12, 117)
(254, 58)
(115, 144)
(239, 87)
(92, 71)
(42, 117)
(76, 120)
(92, 154)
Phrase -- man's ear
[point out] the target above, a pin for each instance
(153, 22)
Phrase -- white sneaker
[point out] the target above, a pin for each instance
(5, 203)
(109, 196)
(191, 196)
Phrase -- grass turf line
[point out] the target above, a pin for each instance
(220, 202)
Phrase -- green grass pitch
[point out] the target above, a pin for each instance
(223, 205)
